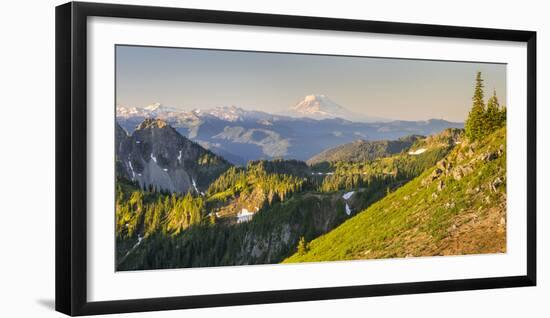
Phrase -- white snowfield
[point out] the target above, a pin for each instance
(348, 195)
(417, 151)
(348, 210)
(321, 173)
(195, 185)
(140, 238)
(244, 216)
(132, 169)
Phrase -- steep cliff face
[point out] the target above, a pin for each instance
(156, 155)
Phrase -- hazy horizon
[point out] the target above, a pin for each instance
(389, 88)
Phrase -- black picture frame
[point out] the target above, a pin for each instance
(71, 157)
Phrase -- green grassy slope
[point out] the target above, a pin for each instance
(456, 207)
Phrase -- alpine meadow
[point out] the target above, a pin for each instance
(228, 158)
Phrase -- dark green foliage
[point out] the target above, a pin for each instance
(483, 119)
(496, 115)
(271, 236)
(476, 125)
(146, 212)
(381, 172)
(290, 167)
(302, 246)
(271, 179)
(361, 150)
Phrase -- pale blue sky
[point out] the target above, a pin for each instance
(273, 82)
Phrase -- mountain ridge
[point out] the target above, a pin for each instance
(156, 155)
(240, 135)
(363, 150)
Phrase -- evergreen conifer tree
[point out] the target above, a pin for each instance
(493, 113)
(502, 116)
(476, 125)
(302, 246)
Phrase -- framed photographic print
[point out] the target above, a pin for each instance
(209, 158)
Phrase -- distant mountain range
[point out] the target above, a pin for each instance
(309, 127)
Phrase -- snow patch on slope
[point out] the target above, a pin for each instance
(348, 209)
(417, 151)
(348, 195)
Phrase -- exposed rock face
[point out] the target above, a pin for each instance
(496, 184)
(157, 155)
(463, 164)
(435, 174)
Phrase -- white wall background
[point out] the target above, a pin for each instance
(27, 158)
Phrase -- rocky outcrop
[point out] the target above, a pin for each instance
(156, 155)
(462, 164)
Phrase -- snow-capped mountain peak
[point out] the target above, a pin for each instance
(151, 110)
(153, 107)
(234, 114)
(228, 113)
(319, 106)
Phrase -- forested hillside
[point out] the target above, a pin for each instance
(362, 150)
(397, 168)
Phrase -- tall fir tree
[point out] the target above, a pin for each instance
(502, 116)
(302, 247)
(476, 125)
(493, 113)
